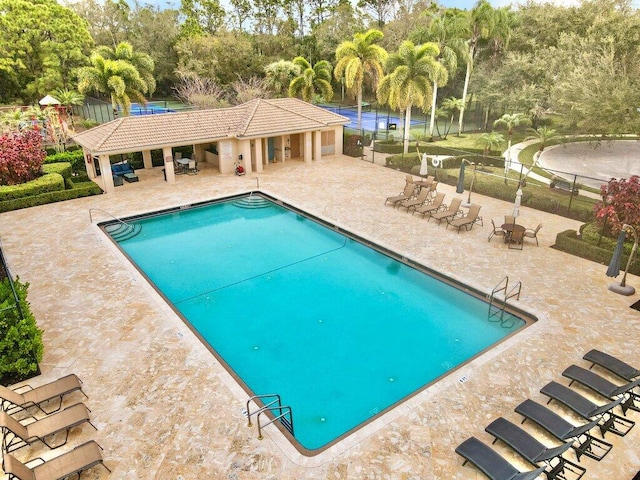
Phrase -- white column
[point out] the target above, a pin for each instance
(146, 159)
(106, 174)
(338, 139)
(244, 147)
(283, 146)
(168, 165)
(88, 163)
(308, 155)
(317, 145)
(257, 143)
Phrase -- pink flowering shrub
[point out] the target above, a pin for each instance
(621, 205)
(21, 157)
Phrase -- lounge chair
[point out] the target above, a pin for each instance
(497, 231)
(73, 462)
(408, 192)
(426, 183)
(18, 435)
(13, 400)
(467, 221)
(491, 463)
(432, 208)
(421, 199)
(614, 365)
(533, 233)
(604, 387)
(533, 451)
(452, 211)
(560, 428)
(608, 421)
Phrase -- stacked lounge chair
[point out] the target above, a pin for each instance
(491, 463)
(610, 422)
(604, 387)
(30, 430)
(13, 400)
(408, 192)
(576, 437)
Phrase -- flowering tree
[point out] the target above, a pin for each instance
(620, 205)
(21, 157)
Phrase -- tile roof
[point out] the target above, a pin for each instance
(257, 118)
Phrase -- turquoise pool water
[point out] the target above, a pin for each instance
(341, 331)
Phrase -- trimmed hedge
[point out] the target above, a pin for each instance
(50, 182)
(81, 189)
(75, 158)
(395, 147)
(569, 242)
(63, 169)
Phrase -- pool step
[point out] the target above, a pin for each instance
(252, 202)
(123, 231)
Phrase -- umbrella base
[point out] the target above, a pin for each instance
(626, 290)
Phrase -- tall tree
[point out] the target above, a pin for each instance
(140, 60)
(446, 30)
(240, 13)
(311, 80)
(279, 75)
(411, 71)
(118, 79)
(357, 59)
(484, 23)
(41, 43)
(201, 16)
(381, 10)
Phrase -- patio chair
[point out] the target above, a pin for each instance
(608, 421)
(73, 462)
(497, 231)
(509, 219)
(421, 199)
(452, 211)
(516, 239)
(432, 207)
(560, 428)
(409, 192)
(467, 221)
(492, 464)
(18, 435)
(533, 233)
(14, 401)
(192, 170)
(534, 451)
(604, 387)
(612, 364)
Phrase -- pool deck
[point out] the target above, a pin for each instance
(166, 409)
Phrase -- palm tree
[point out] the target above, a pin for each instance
(484, 23)
(489, 141)
(510, 121)
(311, 80)
(116, 78)
(408, 82)
(446, 31)
(544, 135)
(143, 62)
(452, 105)
(68, 99)
(279, 75)
(358, 58)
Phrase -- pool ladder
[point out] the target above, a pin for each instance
(119, 231)
(496, 306)
(281, 412)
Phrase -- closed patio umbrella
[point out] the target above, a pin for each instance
(516, 205)
(423, 165)
(614, 265)
(460, 187)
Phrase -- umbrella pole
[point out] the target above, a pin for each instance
(622, 288)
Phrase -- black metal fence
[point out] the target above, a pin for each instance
(6, 274)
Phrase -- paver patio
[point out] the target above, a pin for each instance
(166, 409)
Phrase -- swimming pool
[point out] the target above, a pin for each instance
(340, 330)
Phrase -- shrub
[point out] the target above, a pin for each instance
(75, 158)
(21, 345)
(80, 189)
(21, 157)
(569, 242)
(50, 182)
(63, 169)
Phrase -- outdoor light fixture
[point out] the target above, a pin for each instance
(614, 267)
